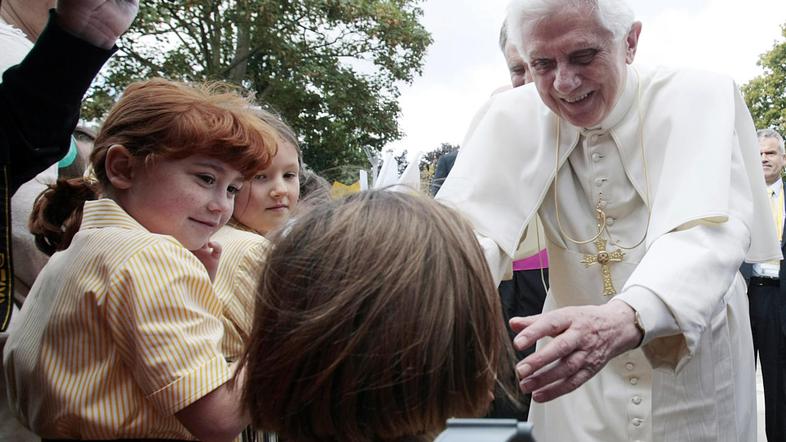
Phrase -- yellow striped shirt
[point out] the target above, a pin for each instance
(119, 332)
(242, 257)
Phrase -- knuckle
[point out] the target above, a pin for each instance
(563, 347)
(553, 326)
(573, 365)
(576, 381)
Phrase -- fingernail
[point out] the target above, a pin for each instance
(519, 342)
(526, 385)
(524, 370)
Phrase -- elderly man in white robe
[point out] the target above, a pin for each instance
(649, 186)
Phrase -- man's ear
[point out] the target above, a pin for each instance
(632, 42)
(120, 166)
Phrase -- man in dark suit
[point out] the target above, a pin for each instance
(444, 164)
(767, 295)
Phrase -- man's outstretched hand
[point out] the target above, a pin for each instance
(585, 339)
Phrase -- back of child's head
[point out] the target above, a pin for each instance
(376, 319)
(313, 188)
(153, 119)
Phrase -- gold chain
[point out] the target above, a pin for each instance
(600, 215)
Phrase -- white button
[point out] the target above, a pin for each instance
(610, 221)
(634, 380)
(636, 422)
(596, 157)
(636, 399)
(630, 366)
(599, 181)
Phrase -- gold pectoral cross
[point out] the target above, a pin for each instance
(604, 258)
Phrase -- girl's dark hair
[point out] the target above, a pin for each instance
(376, 319)
(158, 119)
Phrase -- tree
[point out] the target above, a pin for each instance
(765, 95)
(428, 163)
(429, 160)
(331, 68)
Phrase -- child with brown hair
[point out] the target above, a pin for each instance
(272, 196)
(376, 320)
(120, 335)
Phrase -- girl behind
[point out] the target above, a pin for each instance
(262, 206)
(120, 335)
(376, 319)
(272, 196)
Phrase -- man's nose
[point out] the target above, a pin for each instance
(566, 79)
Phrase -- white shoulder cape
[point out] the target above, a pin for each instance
(697, 130)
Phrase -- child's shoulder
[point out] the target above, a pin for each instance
(120, 247)
(242, 253)
(233, 237)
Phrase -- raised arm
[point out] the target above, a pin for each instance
(40, 97)
(98, 22)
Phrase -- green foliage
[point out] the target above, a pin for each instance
(765, 95)
(429, 160)
(428, 163)
(331, 68)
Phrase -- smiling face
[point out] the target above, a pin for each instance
(772, 159)
(189, 199)
(266, 202)
(577, 66)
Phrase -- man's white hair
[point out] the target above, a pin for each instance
(771, 133)
(614, 15)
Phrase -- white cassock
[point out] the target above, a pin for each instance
(693, 377)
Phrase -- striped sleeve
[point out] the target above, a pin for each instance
(248, 270)
(164, 318)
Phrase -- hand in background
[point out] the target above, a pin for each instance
(209, 254)
(98, 22)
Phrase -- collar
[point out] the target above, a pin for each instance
(776, 187)
(105, 212)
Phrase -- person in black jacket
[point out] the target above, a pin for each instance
(40, 100)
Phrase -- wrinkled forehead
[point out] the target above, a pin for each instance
(563, 32)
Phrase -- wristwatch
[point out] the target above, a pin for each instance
(639, 326)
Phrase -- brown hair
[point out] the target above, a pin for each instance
(376, 319)
(284, 130)
(313, 189)
(158, 118)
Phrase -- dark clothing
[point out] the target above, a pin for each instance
(523, 295)
(444, 164)
(767, 298)
(39, 109)
(770, 344)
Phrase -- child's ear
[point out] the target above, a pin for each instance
(119, 165)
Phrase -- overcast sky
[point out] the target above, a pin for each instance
(464, 64)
